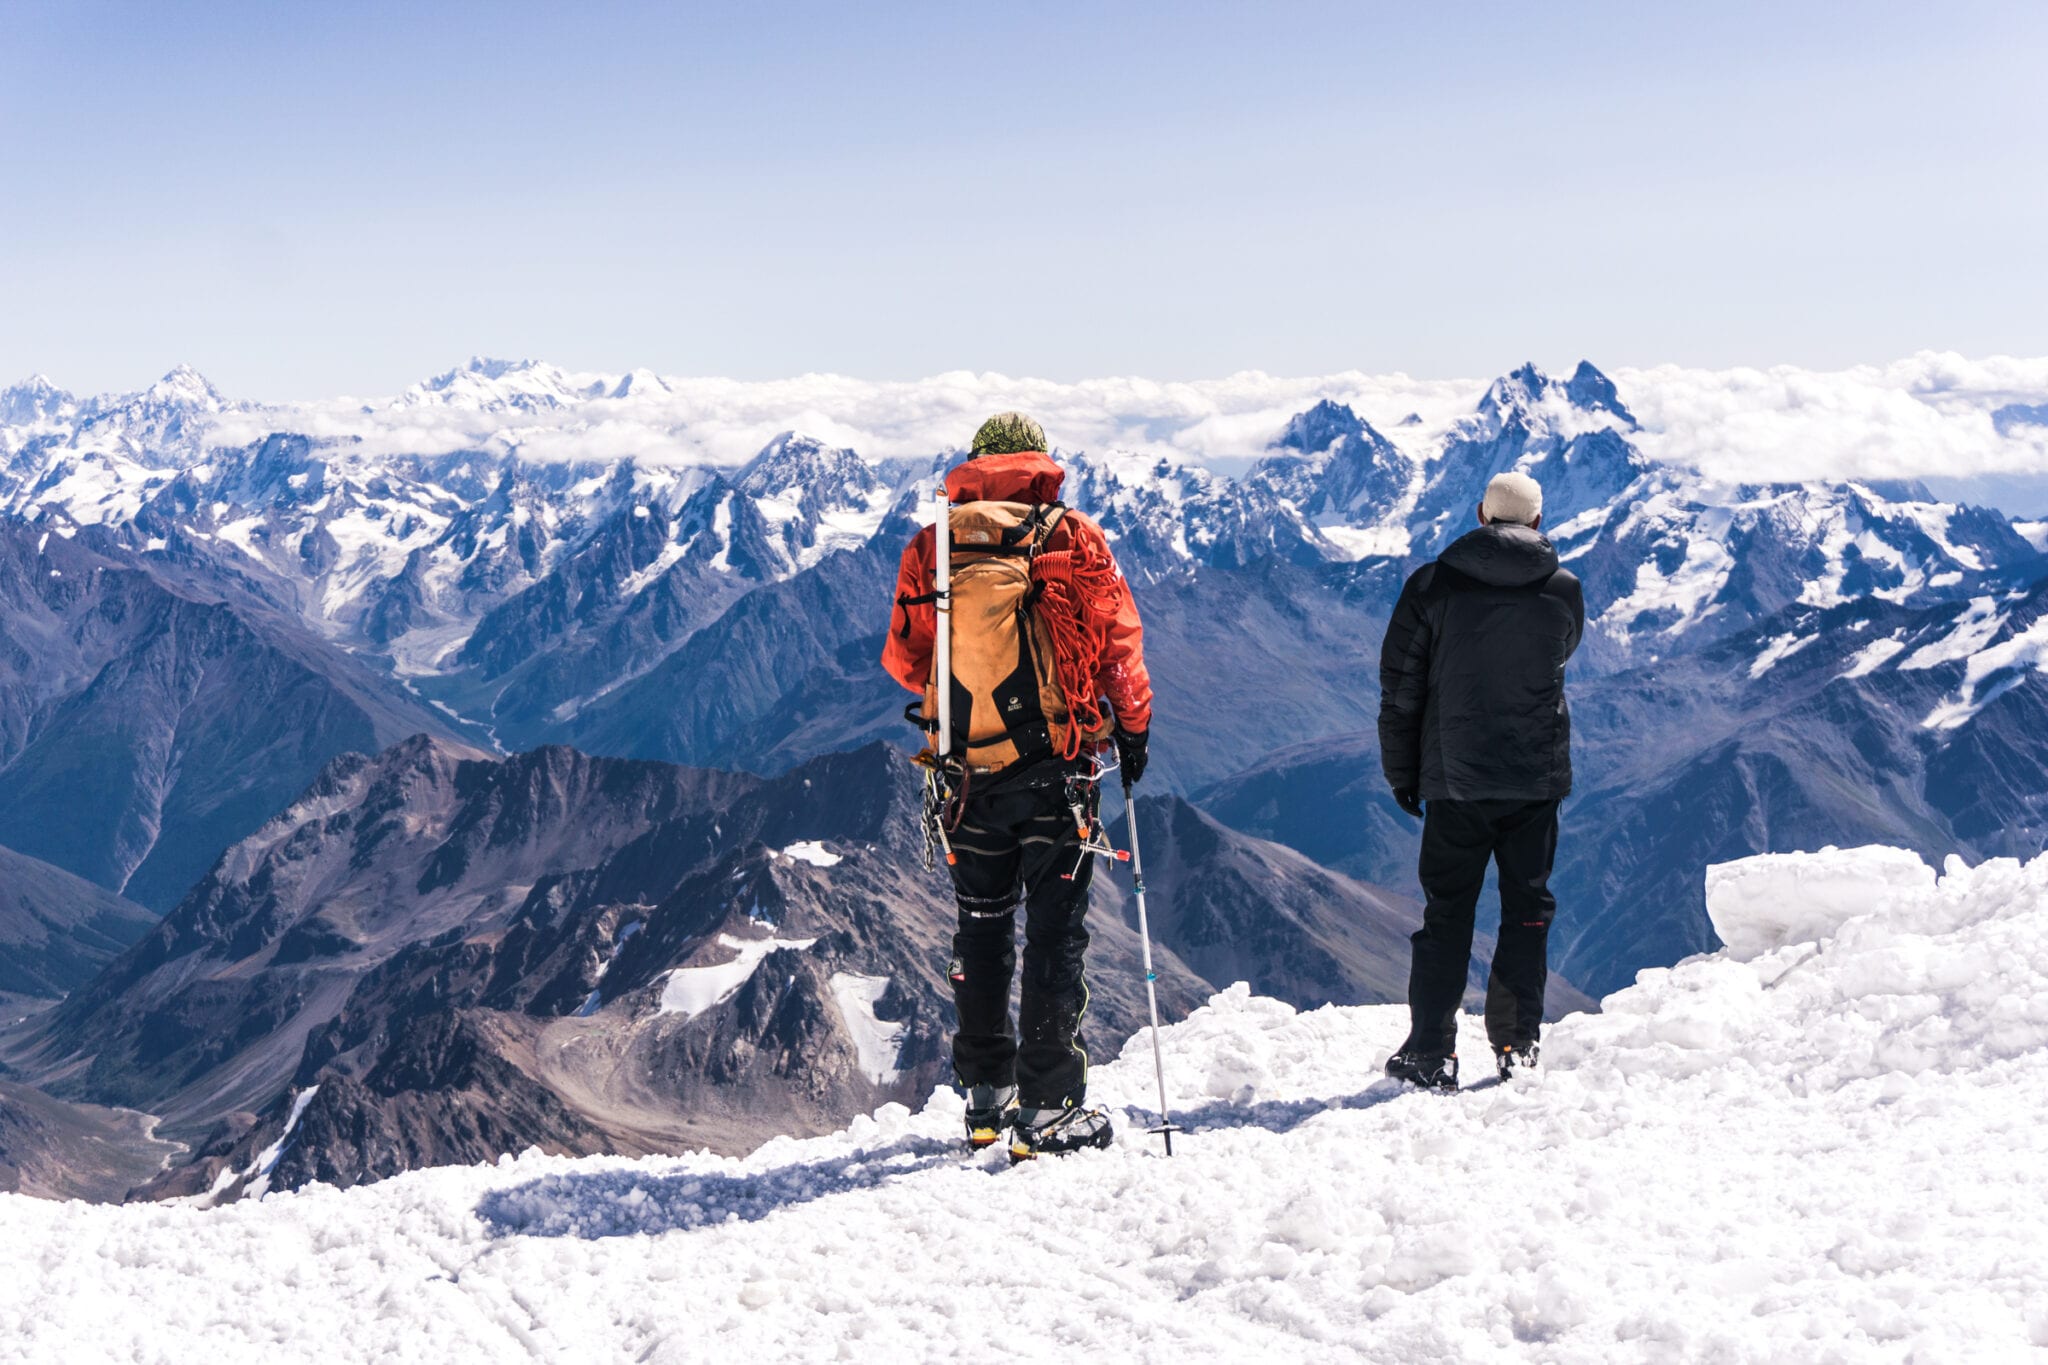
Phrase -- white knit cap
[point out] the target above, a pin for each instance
(1515, 497)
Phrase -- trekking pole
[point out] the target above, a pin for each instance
(1166, 1127)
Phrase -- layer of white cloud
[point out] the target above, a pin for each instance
(1925, 416)
(723, 421)
(1929, 415)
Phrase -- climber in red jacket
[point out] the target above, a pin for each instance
(1023, 740)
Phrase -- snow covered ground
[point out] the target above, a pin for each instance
(1822, 1144)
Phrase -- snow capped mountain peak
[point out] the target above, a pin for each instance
(639, 383)
(1569, 437)
(487, 384)
(38, 384)
(1167, 515)
(1593, 391)
(34, 399)
(796, 462)
(120, 439)
(1529, 396)
(1346, 472)
(1321, 427)
(171, 411)
(490, 367)
(1675, 553)
(813, 497)
(1514, 393)
(183, 387)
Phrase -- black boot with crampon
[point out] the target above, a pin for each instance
(1057, 1132)
(989, 1111)
(1514, 1057)
(1421, 1069)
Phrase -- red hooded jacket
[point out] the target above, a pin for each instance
(1029, 477)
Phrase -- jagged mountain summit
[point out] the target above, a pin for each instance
(98, 458)
(815, 498)
(1570, 436)
(1352, 482)
(34, 402)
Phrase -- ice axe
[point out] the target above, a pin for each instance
(936, 792)
(942, 605)
(1166, 1127)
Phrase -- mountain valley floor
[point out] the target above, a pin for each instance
(1820, 1143)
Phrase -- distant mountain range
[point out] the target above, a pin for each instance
(205, 617)
(730, 616)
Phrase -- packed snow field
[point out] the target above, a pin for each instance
(1822, 1143)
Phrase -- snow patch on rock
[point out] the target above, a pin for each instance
(689, 991)
(256, 1177)
(1974, 629)
(814, 852)
(1872, 656)
(1990, 673)
(1784, 646)
(877, 1041)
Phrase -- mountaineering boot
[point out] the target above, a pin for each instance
(1056, 1132)
(1431, 1073)
(1513, 1057)
(989, 1108)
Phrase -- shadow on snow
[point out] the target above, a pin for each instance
(627, 1203)
(1284, 1116)
(592, 1205)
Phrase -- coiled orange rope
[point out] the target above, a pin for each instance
(1079, 597)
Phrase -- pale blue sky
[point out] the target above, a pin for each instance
(304, 200)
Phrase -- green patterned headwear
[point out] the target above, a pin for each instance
(1007, 433)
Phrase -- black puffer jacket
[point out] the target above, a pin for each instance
(1472, 672)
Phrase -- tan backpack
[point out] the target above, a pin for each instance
(1008, 703)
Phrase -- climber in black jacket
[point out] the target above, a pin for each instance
(1475, 740)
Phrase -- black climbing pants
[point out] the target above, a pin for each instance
(1022, 844)
(1459, 838)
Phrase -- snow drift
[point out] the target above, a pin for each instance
(1822, 1143)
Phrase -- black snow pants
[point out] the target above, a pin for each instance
(1459, 838)
(1022, 842)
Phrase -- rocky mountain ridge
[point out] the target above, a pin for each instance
(434, 955)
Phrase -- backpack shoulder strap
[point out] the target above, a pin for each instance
(1039, 526)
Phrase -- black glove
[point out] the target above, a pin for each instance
(1408, 799)
(1130, 754)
